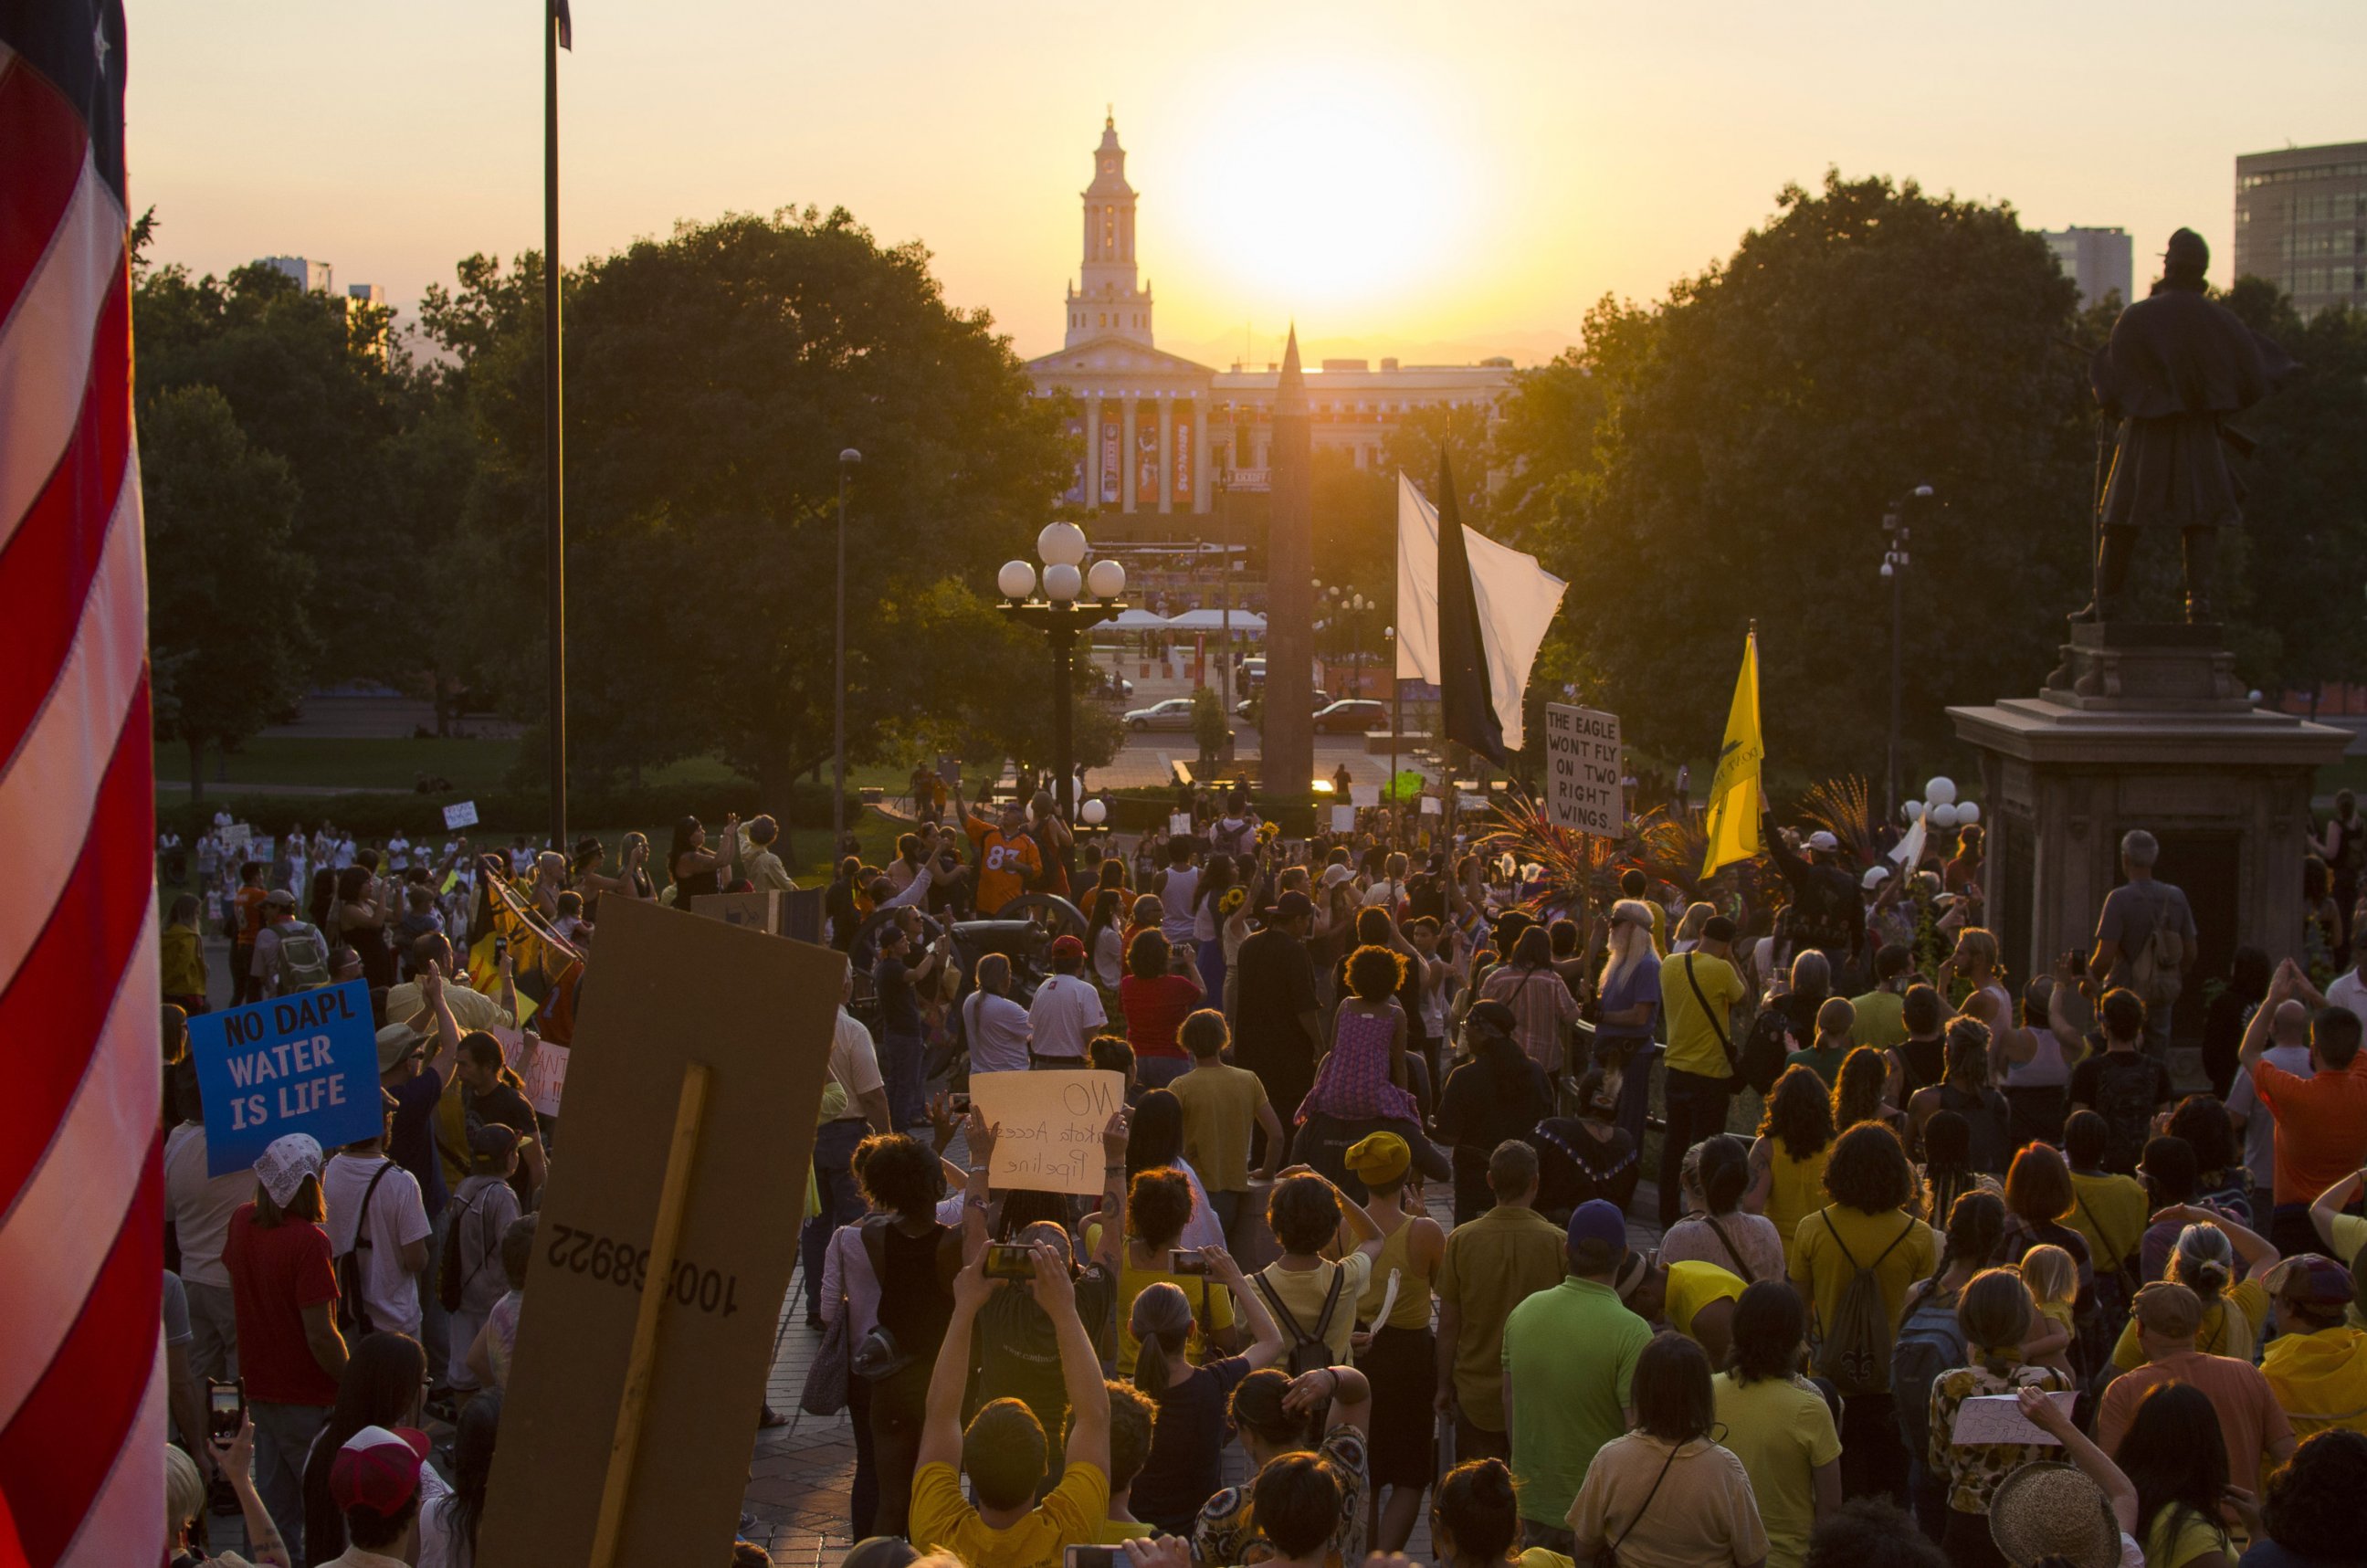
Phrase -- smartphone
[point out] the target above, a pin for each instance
(1010, 1260)
(958, 1103)
(501, 946)
(1095, 1557)
(225, 1407)
(1187, 1260)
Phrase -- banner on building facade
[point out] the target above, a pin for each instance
(1145, 457)
(1180, 486)
(1113, 458)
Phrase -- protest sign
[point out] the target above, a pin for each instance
(1049, 1127)
(304, 1063)
(1364, 794)
(238, 835)
(1179, 823)
(803, 914)
(462, 814)
(1343, 818)
(1582, 770)
(1431, 806)
(664, 1249)
(760, 910)
(544, 1075)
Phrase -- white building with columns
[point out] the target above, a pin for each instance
(1157, 428)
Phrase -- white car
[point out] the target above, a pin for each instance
(1175, 713)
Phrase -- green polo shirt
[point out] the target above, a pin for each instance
(1569, 1358)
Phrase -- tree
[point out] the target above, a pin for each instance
(1353, 522)
(1414, 446)
(713, 378)
(228, 637)
(1869, 339)
(2303, 551)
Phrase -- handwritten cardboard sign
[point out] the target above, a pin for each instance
(758, 1013)
(1343, 818)
(304, 1063)
(1364, 794)
(1583, 769)
(1050, 1127)
(1998, 1418)
(545, 1075)
(460, 813)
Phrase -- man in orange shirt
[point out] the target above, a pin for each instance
(248, 904)
(2254, 1425)
(2321, 1120)
(1008, 860)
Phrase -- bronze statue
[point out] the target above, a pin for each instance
(2177, 365)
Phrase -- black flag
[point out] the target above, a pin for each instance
(566, 25)
(1467, 711)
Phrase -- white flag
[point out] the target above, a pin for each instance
(1517, 600)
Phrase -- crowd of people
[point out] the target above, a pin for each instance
(1978, 1286)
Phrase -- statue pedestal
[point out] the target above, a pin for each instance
(2145, 726)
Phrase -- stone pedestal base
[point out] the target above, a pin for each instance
(2145, 726)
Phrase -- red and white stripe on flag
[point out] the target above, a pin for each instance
(82, 1394)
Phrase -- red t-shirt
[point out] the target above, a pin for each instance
(2321, 1125)
(274, 1276)
(1155, 1009)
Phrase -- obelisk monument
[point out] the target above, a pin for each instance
(1286, 751)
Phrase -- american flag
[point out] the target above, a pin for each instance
(82, 1383)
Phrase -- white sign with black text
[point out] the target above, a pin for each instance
(1582, 770)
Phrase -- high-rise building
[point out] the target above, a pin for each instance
(2301, 222)
(1162, 434)
(2098, 260)
(313, 277)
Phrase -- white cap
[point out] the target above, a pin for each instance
(1823, 842)
(1875, 876)
(286, 1162)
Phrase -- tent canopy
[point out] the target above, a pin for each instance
(1215, 621)
(1137, 619)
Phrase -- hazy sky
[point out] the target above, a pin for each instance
(1440, 180)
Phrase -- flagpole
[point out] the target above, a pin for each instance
(554, 456)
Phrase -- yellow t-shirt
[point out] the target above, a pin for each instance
(1692, 1033)
(2059, 1314)
(2192, 1536)
(1782, 1431)
(944, 1520)
(2251, 1298)
(2111, 1213)
(1117, 1532)
(1693, 1286)
(1881, 1020)
(1304, 1292)
(2349, 1237)
(1821, 1271)
(1220, 1106)
(1797, 1192)
(1133, 1281)
(1538, 1557)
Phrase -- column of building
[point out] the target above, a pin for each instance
(1093, 450)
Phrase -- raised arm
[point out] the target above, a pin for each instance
(1081, 1366)
(2048, 1416)
(941, 1428)
(1112, 1237)
(2256, 1029)
(1249, 1305)
(977, 1200)
(2332, 1201)
(2260, 1254)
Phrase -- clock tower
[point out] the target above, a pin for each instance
(1106, 302)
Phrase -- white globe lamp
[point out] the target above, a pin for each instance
(1016, 580)
(1094, 813)
(1943, 816)
(1968, 814)
(1910, 810)
(1062, 581)
(1940, 791)
(1061, 544)
(1106, 579)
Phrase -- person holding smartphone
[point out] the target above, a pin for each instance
(1003, 1451)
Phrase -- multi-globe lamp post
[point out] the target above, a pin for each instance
(1073, 598)
(1942, 809)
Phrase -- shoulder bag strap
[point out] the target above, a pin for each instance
(1719, 1231)
(1655, 1491)
(2102, 1235)
(361, 1220)
(1331, 1301)
(1827, 1216)
(1717, 1026)
(1273, 1300)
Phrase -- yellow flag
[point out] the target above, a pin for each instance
(1734, 802)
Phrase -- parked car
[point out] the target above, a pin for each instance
(1352, 716)
(1175, 713)
(1253, 673)
(1241, 708)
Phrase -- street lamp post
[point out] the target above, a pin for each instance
(848, 459)
(1060, 613)
(1894, 572)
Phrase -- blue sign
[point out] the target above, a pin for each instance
(304, 1063)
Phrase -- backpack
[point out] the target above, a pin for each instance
(2125, 1086)
(2153, 967)
(353, 1311)
(1307, 1351)
(303, 956)
(1930, 1342)
(452, 1276)
(1856, 1348)
(1764, 1047)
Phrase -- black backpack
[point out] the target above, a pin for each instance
(1306, 1352)
(353, 1311)
(1764, 1047)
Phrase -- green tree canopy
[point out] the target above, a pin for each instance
(228, 636)
(1869, 339)
(712, 380)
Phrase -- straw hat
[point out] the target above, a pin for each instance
(2049, 1508)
